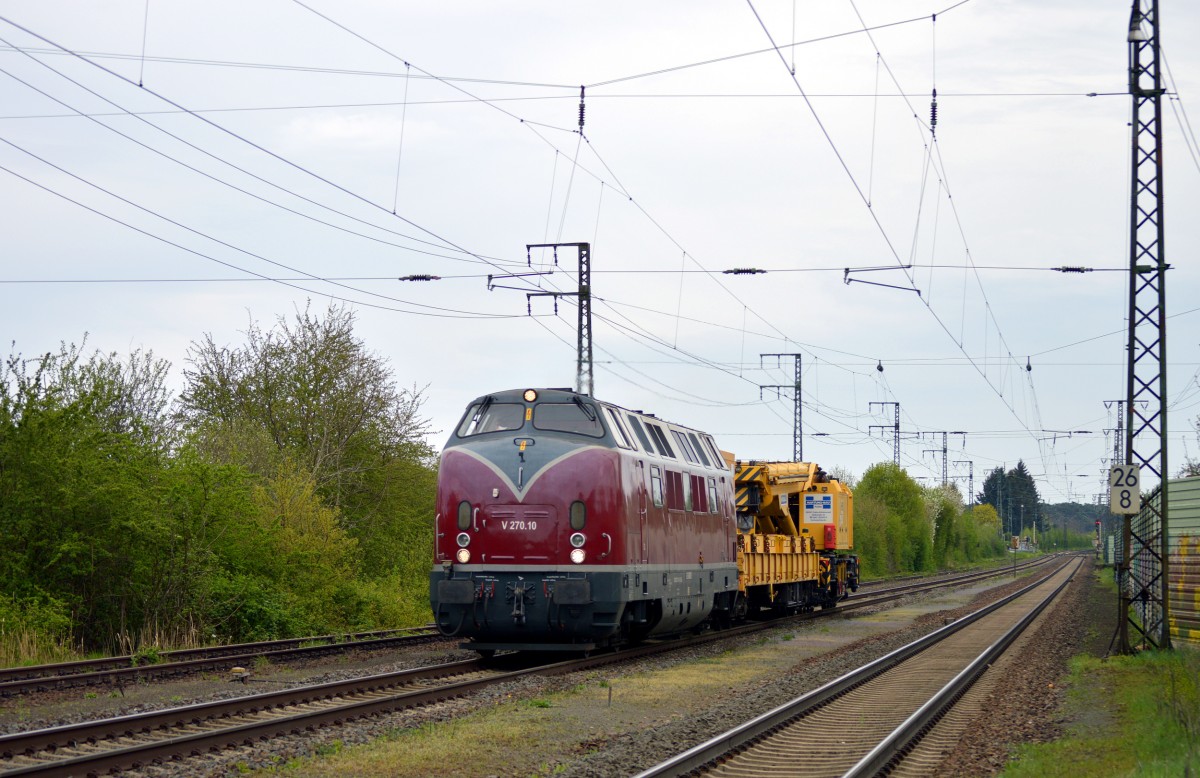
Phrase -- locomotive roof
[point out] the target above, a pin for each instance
(559, 394)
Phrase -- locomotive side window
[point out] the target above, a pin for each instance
(664, 447)
(685, 447)
(624, 440)
(701, 500)
(568, 417)
(488, 416)
(685, 482)
(656, 485)
(641, 433)
(678, 495)
(714, 505)
(698, 448)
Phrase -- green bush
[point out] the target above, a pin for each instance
(34, 630)
(244, 608)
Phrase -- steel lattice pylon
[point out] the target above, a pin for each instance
(584, 377)
(895, 427)
(797, 402)
(1146, 402)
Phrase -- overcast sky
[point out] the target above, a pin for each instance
(161, 159)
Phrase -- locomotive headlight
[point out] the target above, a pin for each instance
(463, 556)
(577, 540)
(577, 555)
(463, 539)
(530, 395)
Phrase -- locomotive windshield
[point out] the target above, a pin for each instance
(568, 417)
(488, 416)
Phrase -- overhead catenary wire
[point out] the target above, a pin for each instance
(278, 157)
(883, 232)
(723, 96)
(693, 271)
(471, 257)
(230, 265)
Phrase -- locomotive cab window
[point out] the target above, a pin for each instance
(579, 417)
(488, 416)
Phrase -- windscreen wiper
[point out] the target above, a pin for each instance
(587, 409)
(483, 406)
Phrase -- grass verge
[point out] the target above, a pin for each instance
(1129, 715)
(540, 736)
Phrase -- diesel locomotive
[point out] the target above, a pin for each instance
(568, 523)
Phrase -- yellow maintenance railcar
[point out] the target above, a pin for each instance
(795, 536)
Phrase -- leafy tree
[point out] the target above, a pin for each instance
(909, 532)
(1015, 497)
(1025, 498)
(308, 391)
(289, 569)
(1191, 467)
(878, 550)
(843, 475)
(994, 492)
(985, 515)
(943, 507)
(120, 530)
(83, 445)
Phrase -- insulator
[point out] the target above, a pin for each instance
(933, 111)
(581, 108)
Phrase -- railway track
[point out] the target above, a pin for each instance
(125, 670)
(131, 742)
(919, 581)
(893, 715)
(115, 672)
(127, 742)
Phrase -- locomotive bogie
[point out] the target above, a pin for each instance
(570, 610)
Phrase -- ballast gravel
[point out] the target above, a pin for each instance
(1023, 707)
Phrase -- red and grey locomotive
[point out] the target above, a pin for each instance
(564, 522)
